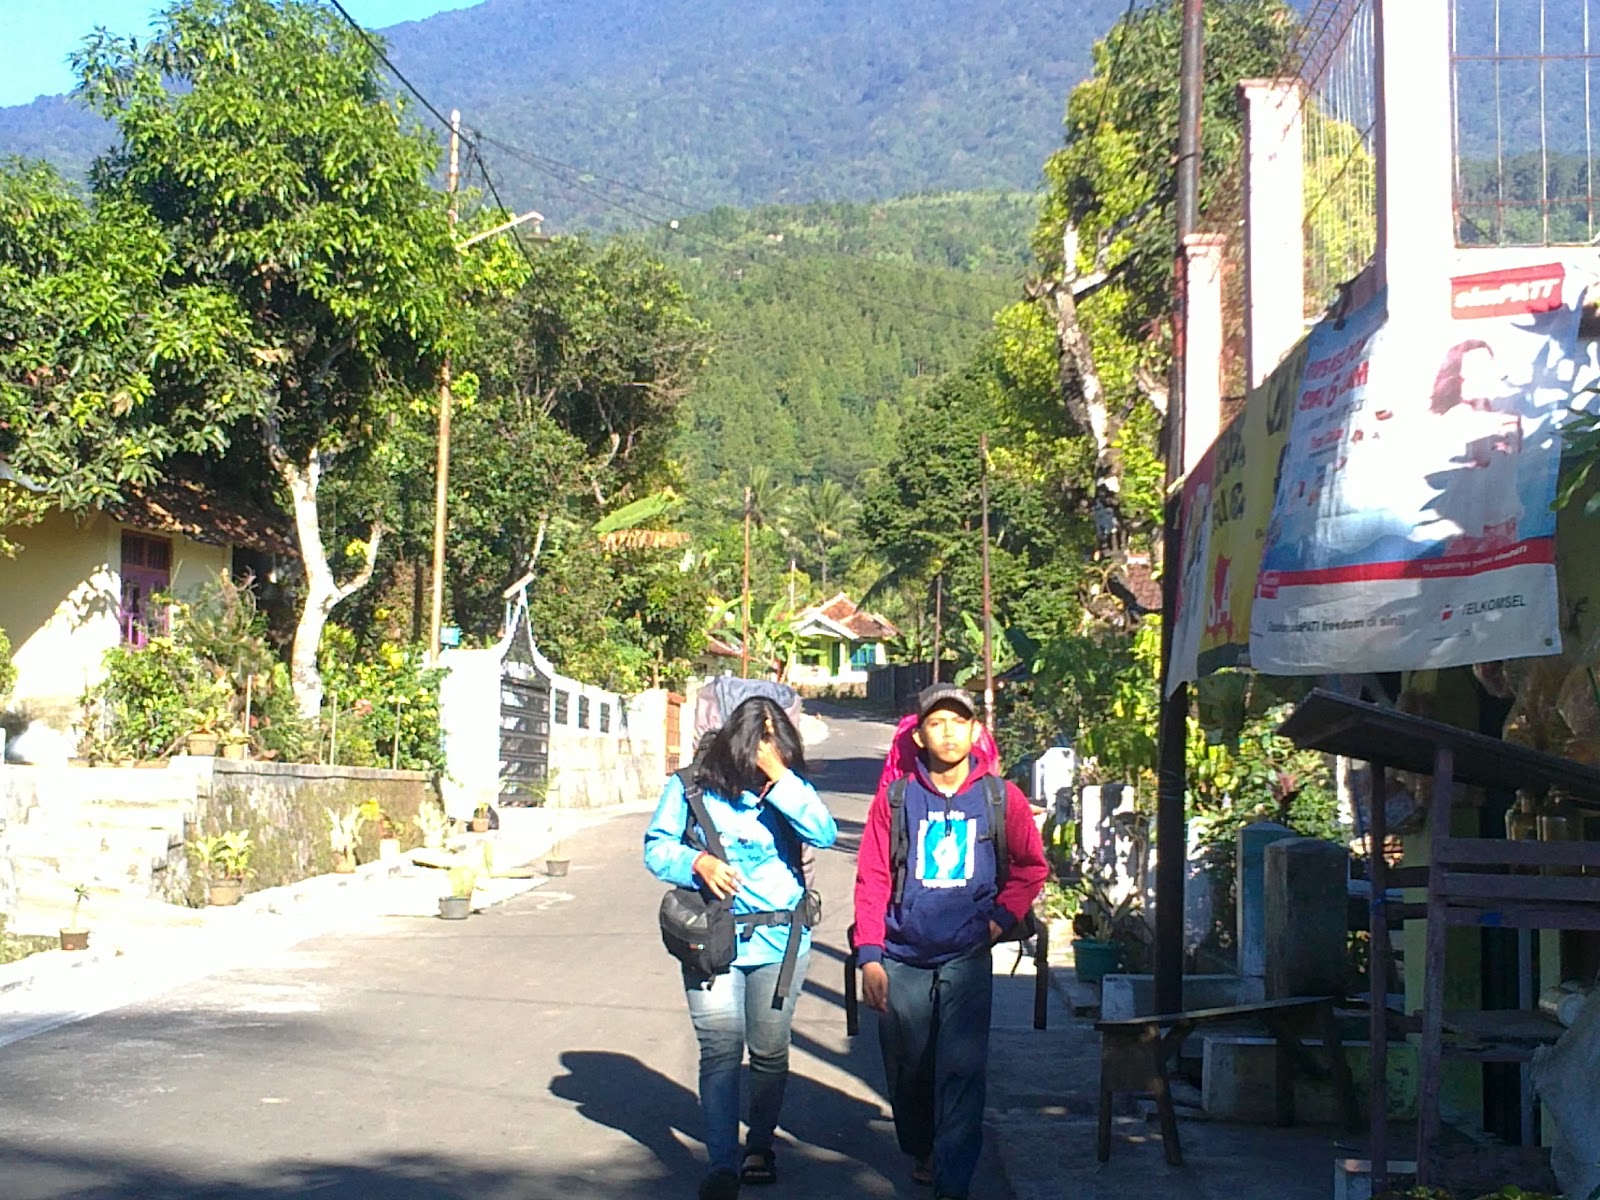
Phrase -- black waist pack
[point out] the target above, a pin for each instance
(698, 929)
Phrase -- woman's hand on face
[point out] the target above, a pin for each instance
(720, 878)
(770, 761)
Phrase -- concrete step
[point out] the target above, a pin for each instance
(136, 814)
(127, 785)
(80, 843)
(35, 878)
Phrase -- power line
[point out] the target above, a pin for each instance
(1116, 57)
(477, 157)
(554, 168)
(373, 45)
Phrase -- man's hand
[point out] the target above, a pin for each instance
(995, 933)
(721, 879)
(875, 986)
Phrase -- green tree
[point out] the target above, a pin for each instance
(258, 140)
(1108, 227)
(111, 362)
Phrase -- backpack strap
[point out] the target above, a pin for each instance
(710, 840)
(994, 791)
(899, 839)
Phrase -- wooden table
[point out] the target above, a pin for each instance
(1135, 1053)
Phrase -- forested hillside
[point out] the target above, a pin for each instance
(707, 102)
(826, 317)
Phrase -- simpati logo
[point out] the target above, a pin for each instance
(1507, 293)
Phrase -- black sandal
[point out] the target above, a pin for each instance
(922, 1172)
(760, 1167)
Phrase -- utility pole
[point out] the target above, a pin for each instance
(441, 486)
(1172, 735)
(744, 629)
(938, 622)
(988, 648)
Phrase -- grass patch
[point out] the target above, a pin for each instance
(14, 946)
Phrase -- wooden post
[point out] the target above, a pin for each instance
(1430, 1053)
(744, 628)
(1378, 981)
(938, 622)
(441, 487)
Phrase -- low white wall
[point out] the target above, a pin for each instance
(625, 764)
(469, 715)
(604, 748)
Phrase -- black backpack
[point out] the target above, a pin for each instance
(994, 794)
(701, 931)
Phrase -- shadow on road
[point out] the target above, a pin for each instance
(85, 1174)
(621, 1092)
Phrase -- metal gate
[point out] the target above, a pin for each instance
(524, 735)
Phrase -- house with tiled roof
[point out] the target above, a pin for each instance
(836, 644)
(82, 584)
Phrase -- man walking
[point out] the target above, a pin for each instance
(950, 862)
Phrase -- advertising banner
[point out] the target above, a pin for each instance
(1227, 502)
(1412, 524)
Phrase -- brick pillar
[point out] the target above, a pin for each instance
(1414, 136)
(1274, 221)
(1202, 330)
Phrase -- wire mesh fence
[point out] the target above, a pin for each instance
(1335, 58)
(1522, 80)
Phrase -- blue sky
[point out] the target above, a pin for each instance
(39, 34)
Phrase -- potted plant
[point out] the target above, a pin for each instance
(457, 906)
(1106, 932)
(433, 825)
(235, 744)
(203, 737)
(225, 859)
(75, 936)
(480, 818)
(388, 829)
(344, 827)
(556, 862)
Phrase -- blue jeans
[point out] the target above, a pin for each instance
(935, 1041)
(730, 1012)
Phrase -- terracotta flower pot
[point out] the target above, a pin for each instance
(224, 892)
(202, 745)
(233, 750)
(74, 939)
(480, 825)
(344, 864)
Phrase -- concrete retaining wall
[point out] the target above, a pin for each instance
(284, 806)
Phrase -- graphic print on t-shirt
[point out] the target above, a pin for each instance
(946, 846)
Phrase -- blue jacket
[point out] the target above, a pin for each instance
(746, 826)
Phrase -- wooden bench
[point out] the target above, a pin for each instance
(1135, 1053)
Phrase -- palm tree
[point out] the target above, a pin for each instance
(823, 516)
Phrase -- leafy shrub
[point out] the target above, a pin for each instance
(387, 704)
(146, 703)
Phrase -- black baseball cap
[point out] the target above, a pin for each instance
(948, 695)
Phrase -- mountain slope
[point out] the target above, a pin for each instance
(708, 102)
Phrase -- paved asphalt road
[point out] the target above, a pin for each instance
(539, 1050)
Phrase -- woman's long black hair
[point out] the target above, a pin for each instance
(728, 764)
